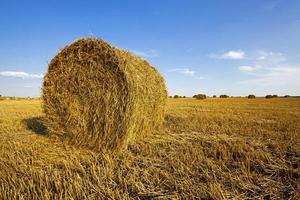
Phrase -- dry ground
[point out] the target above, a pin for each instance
(210, 149)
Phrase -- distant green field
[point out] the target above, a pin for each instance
(208, 149)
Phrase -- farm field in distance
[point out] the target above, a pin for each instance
(208, 149)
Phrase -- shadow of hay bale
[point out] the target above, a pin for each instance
(36, 124)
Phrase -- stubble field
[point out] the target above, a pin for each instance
(234, 148)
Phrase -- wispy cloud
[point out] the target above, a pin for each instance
(146, 54)
(231, 55)
(269, 70)
(259, 56)
(23, 75)
(274, 57)
(272, 76)
(188, 72)
(264, 71)
(185, 71)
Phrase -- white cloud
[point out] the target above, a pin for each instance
(146, 54)
(247, 68)
(20, 74)
(201, 78)
(185, 71)
(234, 55)
(231, 55)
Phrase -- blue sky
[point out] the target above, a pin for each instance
(213, 47)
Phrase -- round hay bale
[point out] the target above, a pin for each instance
(101, 97)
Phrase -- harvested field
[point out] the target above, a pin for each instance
(212, 149)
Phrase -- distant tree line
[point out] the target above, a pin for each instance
(199, 96)
(177, 96)
(224, 96)
(17, 98)
(269, 96)
(250, 96)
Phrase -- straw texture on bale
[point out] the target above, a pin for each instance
(101, 97)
